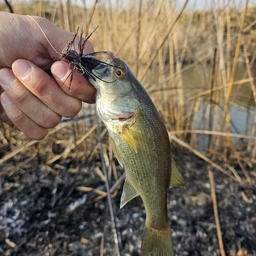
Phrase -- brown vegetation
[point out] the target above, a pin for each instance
(160, 47)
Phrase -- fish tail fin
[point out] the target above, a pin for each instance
(157, 243)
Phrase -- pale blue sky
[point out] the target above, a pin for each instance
(198, 4)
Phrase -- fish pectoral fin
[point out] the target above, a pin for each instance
(116, 152)
(176, 178)
(128, 194)
(127, 136)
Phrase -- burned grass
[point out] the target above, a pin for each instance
(44, 209)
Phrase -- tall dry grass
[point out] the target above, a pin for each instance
(161, 42)
(165, 46)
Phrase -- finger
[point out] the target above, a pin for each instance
(78, 87)
(26, 101)
(21, 121)
(46, 89)
(4, 117)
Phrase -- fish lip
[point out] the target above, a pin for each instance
(92, 60)
(89, 62)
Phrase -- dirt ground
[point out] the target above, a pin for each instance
(42, 212)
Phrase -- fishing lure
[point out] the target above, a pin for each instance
(85, 63)
(79, 61)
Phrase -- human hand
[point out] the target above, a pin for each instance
(32, 100)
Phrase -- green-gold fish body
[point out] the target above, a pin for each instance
(142, 147)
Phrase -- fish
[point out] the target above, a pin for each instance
(140, 144)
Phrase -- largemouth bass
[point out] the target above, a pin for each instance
(140, 143)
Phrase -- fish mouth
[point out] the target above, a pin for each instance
(90, 64)
(98, 66)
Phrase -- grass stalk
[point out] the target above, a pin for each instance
(138, 39)
(212, 96)
(216, 214)
(154, 54)
(226, 117)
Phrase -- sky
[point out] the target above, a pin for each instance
(192, 4)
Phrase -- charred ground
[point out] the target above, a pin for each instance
(38, 217)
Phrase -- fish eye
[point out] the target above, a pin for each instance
(119, 73)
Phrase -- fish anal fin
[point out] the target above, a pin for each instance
(176, 178)
(128, 193)
(127, 136)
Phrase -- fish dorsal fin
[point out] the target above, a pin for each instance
(116, 152)
(128, 194)
(127, 136)
(176, 178)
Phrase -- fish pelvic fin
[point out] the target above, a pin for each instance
(176, 178)
(127, 136)
(128, 194)
(157, 243)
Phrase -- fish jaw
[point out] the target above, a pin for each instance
(111, 107)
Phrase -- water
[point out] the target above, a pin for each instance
(242, 109)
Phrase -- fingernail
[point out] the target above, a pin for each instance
(6, 77)
(21, 68)
(5, 100)
(60, 71)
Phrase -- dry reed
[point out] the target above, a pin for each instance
(165, 45)
(162, 41)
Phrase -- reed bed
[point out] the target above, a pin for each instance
(165, 45)
(198, 65)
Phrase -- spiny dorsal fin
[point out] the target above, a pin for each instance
(127, 136)
(176, 178)
(128, 193)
